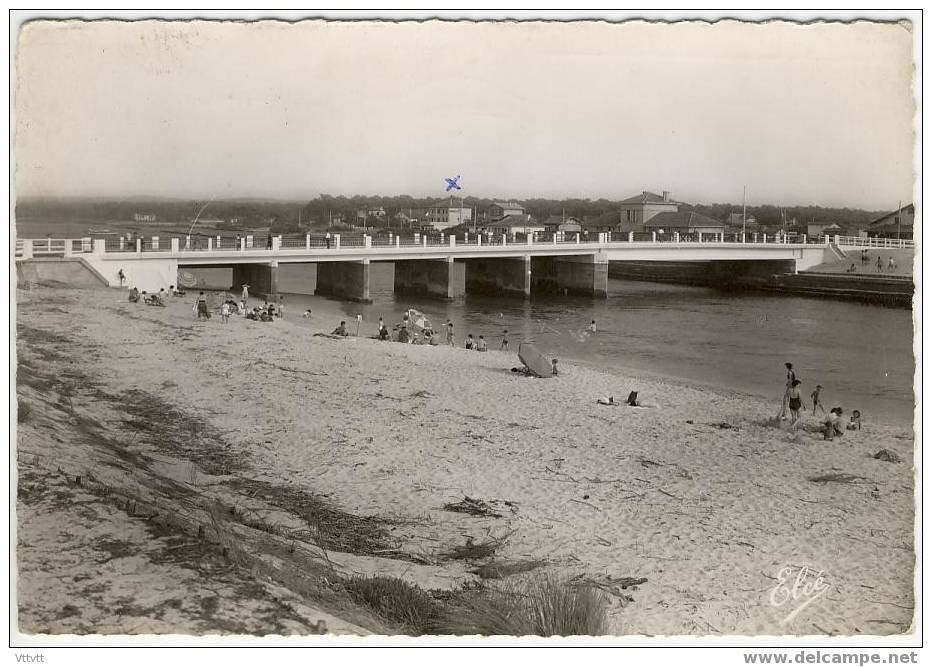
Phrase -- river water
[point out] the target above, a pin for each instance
(862, 354)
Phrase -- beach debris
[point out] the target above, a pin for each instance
(583, 502)
(423, 393)
(615, 586)
(839, 478)
(473, 550)
(725, 426)
(888, 455)
(473, 506)
(500, 569)
(647, 463)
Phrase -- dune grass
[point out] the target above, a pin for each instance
(396, 601)
(543, 605)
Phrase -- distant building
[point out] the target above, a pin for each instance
(607, 222)
(409, 218)
(499, 210)
(736, 222)
(637, 210)
(446, 213)
(145, 217)
(515, 224)
(895, 225)
(814, 229)
(683, 222)
(558, 223)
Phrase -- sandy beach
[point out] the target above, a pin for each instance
(705, 497)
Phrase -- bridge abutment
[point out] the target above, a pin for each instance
(499, 275)
(344, 280)
(261, 278)
(439, 278)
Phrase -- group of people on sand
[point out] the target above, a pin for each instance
(878, 265)
(830, 424)
(154, 299)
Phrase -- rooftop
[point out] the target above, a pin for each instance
(648, 198)
(681, 220)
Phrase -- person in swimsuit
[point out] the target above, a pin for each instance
(469, 342)
(795, 402)
(505, 340)
(816, 401)
(790, 378)
(202, 312)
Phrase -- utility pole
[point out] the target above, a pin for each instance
(744, 212)
(899, 206)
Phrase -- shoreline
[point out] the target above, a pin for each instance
(707, 514)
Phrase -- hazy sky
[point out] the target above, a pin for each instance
(800, 114)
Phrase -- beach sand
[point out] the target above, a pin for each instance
(705, 496)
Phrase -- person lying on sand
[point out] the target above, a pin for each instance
(340, 330)
(607, 401)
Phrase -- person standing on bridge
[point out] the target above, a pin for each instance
(327, 239)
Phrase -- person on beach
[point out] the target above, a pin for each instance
(852, 268)
(225, 312)
(121, 276)
(133, 294)
(879, 264)
(505, 340)
(795, 402)
(245, 294)
(403, 335)
(891, 264)
(816, 401)
(790, 378)
(854, 424)
(381, 324)
(830, 427)
(450, 341)
(555, 371)
(606, 401)
(307, 314)
(340, 330)
(481, 345)
(163, 295)
(592, 327)
(865, 259)
(383, 334)
(201, 305)
(281, 306)
(469, 343)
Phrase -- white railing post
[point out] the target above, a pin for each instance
(155, 242)
(424, 240)
(765, 237)
(307, 241)
(478, 239)
(504, 239)
(837, 239)
(366, 241)
(676, 237)
(100, 247)
(336, 241)
(630, 237)
(577, 238)
(452, 240)
(417, 238)
(442, 238)
(277, 242)
(653, 237)
(397, 241)
(210, 243)
(700, 237)
(743, 238)
(138, 246)
(803, 239)
(122, 243)
(27, 249)
(68, 247)
(242, 243)
(554, 238)
(530, 238)
(175, 244)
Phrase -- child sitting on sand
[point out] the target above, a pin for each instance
(481, 345)
(855, 423)
(830, 426)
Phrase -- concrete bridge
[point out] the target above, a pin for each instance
(439, 266)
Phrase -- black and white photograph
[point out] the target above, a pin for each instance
(414, 328)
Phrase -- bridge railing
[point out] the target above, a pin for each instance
(865, 242)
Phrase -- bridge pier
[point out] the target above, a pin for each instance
(261, 278)
(443, 278)
(585, 275)
(499, 275)
(344, 280)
